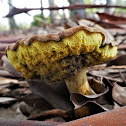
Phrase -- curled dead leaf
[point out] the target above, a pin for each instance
(54, 93)
(89, 108)
(97, 86)
(106, 99)
(86, 105)
(119, 94)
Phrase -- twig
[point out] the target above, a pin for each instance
(15, 10)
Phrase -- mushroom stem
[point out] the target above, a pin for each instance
(79, 83)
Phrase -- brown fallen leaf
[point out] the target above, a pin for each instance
(94, 23)
(69, 23)
(25, 108)
(111, 17)
(107, 82)
(5, 92)
(39, 109)
(118, 61)
(20, 91)
(106, 74)
(3, 87)
(36, 101)
(106, 99)
(89, 108)
(49, 113)
(54, 93)
(55, 119)
(88, 105)
(79, 99)
(99, 67)
(8, 67)
(5, 73)
(119, 94)
(7, 81)
(6, 99)
(98, 87)
(122, 46)
(23, 84)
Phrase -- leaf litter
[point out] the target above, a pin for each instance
(38, 100)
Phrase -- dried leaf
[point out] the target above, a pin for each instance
(87, 109)
(105, 73)
(69, 23)
(25, 108)
(106, 99)
(98, 87)
(6, 74)
(49, 113)
(119, 94)
(107, 83)
(99, 67)
(122, 46)
(8, 67)
(94, 23)
(5, 92)
(116, 105)
(36, 101)
(6, 99)
(103, 101)
(23, 84)
(7, 81)
(111, 17)
(3, 46)
(20, 91)
(55, 93)
(118, 61)
(56, 119)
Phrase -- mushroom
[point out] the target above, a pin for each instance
(65, 55)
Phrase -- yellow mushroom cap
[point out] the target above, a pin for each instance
(54, 57)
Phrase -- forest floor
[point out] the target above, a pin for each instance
(18, 102)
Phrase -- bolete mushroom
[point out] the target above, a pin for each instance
(65, 55)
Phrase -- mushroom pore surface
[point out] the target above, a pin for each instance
(53, 61)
